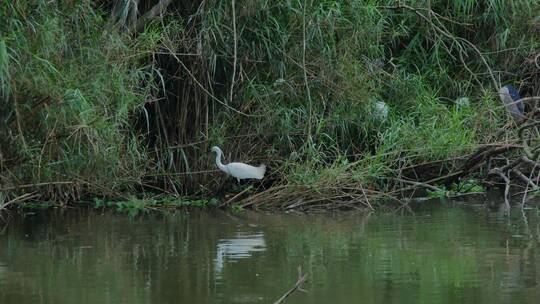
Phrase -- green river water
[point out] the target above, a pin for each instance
(441, 253)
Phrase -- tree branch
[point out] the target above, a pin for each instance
(155, 11)
(297, 286)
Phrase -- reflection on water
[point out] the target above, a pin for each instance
(241, 246)
(439, 254)
(2, 272)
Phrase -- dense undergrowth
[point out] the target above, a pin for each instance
(96, 103)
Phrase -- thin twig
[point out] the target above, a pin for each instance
(366, 198)
(441, 29)
(235, 51)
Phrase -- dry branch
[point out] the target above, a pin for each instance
(524, 178)
(297, 286)
(19, 199)
(478, 159)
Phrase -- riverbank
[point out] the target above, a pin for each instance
(346, 104)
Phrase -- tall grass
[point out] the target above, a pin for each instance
(359, 52)
(290, 83)
(69, 86)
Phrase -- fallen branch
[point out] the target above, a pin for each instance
(297, 286)
(19, 199)
(36, 185)
(419, 184)
(478, 159)
(524, 178)
(234, 197)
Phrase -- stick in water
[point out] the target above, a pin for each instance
(297, 286)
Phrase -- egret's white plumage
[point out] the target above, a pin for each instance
(239, 170)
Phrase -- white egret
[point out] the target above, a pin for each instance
(239, 170)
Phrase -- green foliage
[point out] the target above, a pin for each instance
(82, 101)
(69, 87)
(469, 186)
(175, 202)
(39, 205)
(439, 193)
(236, 208)
(134, 206)
(356, 53)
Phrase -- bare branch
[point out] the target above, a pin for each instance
(297, 286)
(524, 178)
(155, 11)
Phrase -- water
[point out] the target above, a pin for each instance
(440, 254)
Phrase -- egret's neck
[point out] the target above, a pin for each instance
(218, 161)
